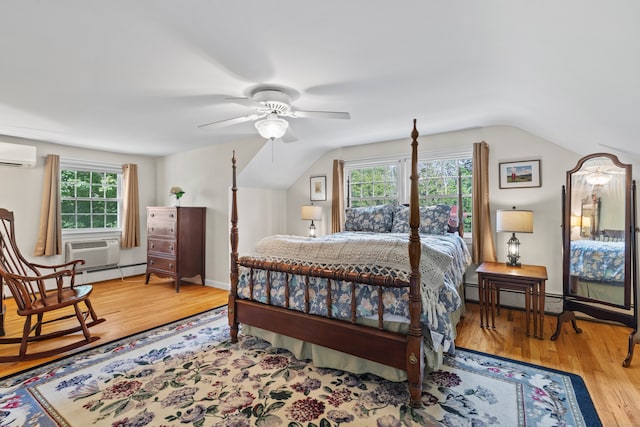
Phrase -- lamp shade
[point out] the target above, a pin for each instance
(311, 213)
(272, 127)
(514, 220)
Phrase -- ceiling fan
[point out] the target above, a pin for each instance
(271, 106)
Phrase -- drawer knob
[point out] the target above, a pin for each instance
(151, 262)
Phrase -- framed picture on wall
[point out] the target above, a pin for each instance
(318, 188)
(520, 174)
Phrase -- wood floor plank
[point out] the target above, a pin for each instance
(596, 355)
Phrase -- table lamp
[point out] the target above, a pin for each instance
(514, 221)
(311, 213)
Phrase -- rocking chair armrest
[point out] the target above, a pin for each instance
(57, 275)
(54, 275)
(71, 264)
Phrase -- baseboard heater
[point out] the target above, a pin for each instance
(97, 254)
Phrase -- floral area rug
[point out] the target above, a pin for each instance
(188, 373)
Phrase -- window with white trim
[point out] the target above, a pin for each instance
(373, 183)
(382, 181)
(438, 183)
(90, 196)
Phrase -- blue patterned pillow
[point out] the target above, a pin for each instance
(433, 219)
(370, 218)
(400, 219)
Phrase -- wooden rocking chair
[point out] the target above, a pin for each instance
(28, 287)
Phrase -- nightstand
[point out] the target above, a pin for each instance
(531, 279)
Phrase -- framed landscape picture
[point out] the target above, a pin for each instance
(318, 190)
(520, 174)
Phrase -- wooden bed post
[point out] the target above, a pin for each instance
(233, 318)
(415, 351)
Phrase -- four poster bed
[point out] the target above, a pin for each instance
(320, 298)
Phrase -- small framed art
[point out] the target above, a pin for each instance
(318, 188)
(520, 174)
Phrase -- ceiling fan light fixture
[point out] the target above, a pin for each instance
(598, 178)
(272, 127)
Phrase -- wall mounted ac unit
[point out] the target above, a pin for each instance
(97, 254)
(17, 155)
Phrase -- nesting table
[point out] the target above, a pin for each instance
(531, 279)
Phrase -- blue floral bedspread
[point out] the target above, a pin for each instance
(454, 255)
(597, 260)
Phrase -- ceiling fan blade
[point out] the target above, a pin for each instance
(289, 135)
(321, 114)
(247, 102)
(229, 122)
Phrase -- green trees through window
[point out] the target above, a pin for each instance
(438, 184)
(387, 182)
(370, 186)
(89, 199)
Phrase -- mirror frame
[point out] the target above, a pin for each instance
(590, 309)
(627, 313)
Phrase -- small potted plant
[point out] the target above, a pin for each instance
(177, 192)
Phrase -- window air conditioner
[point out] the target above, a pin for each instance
(97, 254)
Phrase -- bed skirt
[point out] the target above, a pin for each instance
(324, 357)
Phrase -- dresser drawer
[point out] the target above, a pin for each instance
(162, 246)
(162, 214)
(163, 264)
(162, 229)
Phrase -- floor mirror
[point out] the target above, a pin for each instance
(599, 245)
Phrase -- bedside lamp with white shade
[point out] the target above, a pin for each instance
(311, 213)
(514, 221)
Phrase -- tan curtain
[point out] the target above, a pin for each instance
(50, 230)
(482, 248)
(337, 197)
(130, 207)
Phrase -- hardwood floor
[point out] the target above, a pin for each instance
(596, 355)
(129, 306)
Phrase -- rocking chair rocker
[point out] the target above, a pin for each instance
(28, 287)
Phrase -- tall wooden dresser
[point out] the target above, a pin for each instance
(176, 242)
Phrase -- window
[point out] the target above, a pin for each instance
(372, 183)
(438, 182)
(378, 182)
(90, 196)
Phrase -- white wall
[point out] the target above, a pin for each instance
(261, 213)
(205, 176)
(21, 192)
(543, 247)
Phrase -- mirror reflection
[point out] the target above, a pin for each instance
(597, 238)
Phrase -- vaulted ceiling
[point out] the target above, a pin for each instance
(138, 76)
